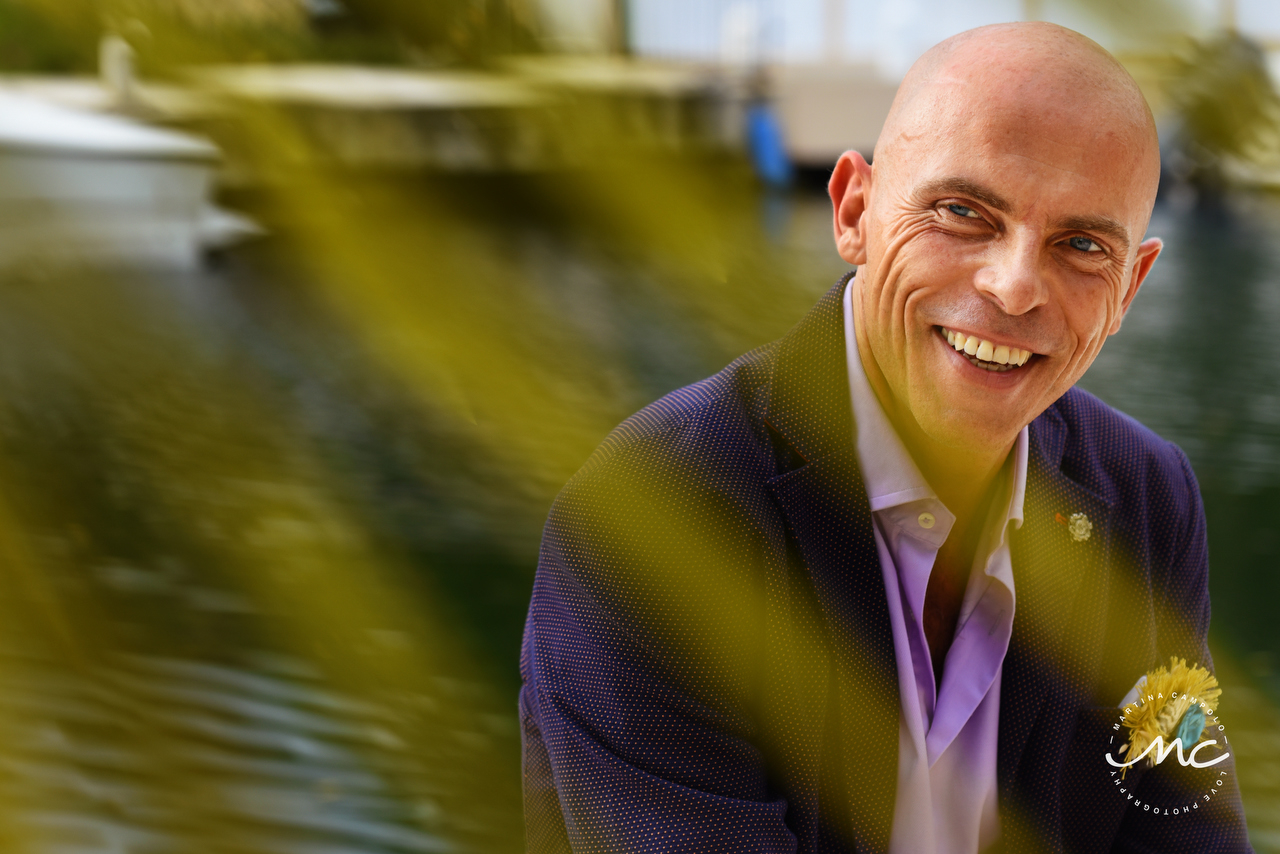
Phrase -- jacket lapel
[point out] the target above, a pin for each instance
(825, 505)
(1061, 584)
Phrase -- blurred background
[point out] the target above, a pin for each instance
(308, 308)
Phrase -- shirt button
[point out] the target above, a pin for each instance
(926, 520)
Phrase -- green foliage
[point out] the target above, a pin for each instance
(1224, 97)
(32, 40)
(463, 32)
(61, 36)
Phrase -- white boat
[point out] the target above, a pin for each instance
(86, 187)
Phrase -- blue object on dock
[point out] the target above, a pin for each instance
(764, 143)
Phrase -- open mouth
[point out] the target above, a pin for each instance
(985, 354)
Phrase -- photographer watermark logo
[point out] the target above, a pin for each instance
(1159, 727)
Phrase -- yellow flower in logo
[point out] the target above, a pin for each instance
(1174, 703)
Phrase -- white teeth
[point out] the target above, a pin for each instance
(986, 351)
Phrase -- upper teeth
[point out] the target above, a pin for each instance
(983, 349)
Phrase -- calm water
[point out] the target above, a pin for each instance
(269, 598)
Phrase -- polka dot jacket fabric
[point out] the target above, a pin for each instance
(708, 664)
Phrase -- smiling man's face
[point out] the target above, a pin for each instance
(998, 238)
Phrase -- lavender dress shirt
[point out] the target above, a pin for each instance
(946, 801)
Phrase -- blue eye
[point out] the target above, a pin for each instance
(1084, 244)
(961, 210)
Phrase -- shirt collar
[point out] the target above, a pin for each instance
(891, 475)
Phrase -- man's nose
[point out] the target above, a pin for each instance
(1014, 278)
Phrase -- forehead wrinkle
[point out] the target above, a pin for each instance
(953, 119)
(1054, 166)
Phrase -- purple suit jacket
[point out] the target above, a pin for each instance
(708, 663)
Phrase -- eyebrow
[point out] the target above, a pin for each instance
(1102, 225)
(964, 187)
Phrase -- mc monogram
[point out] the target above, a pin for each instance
(1162, 752)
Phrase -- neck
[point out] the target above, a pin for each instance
(962, 480)
(962, 477)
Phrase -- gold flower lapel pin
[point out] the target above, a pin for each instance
(1078, 525)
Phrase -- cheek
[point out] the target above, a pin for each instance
(915, 264)
(1090, 308)
(947, 261)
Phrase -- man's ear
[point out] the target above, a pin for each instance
(849, 188)
(1148, 251)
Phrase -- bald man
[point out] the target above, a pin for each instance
(883, 584)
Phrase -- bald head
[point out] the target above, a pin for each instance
(1030, 74)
